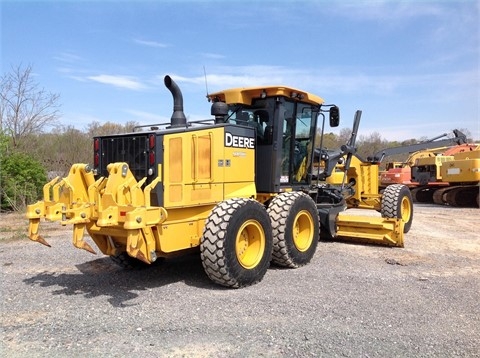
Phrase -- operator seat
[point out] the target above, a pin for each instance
(242, 118)
(259, 118)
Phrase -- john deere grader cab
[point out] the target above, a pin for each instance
(245, 188)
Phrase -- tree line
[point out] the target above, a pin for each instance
(35, 147)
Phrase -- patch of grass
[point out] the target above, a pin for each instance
(13, 226)
(9, 234)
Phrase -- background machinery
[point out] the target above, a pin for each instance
(238, 188)
(400, 172)
(443, 171)
(452, 178)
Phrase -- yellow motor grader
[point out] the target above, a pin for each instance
(240, 187)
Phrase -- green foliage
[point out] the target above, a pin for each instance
(22, 179)
(23, 167)
(330, 141)
(4, 139)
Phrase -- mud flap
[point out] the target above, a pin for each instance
(371, 230)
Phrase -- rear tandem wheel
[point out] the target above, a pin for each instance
(295, 227)
(236, 244)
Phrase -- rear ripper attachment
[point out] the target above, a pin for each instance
(115, 211)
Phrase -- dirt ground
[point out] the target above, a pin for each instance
(437, 222)
(459, 225)
(352, 300)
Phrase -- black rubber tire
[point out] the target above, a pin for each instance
(397, 203)
(438, 196)
(463, 197)
(423, 195)
(124, 260)
(295, 226)
(236, 245)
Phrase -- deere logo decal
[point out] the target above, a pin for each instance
(236, 141)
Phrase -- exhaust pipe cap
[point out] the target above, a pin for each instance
(178, 117)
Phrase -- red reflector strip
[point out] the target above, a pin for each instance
(96, 160)
(151, 158)
(123, 213)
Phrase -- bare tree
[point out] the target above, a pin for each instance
(97, 129)
(370, 144)
(25, 108)
(344, 135)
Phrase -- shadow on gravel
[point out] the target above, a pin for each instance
(101, 277)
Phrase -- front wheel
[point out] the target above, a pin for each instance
(236, 245)
(295, 225)
(397, 203)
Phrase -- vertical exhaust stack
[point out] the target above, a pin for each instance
(178, 117)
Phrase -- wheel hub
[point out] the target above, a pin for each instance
(303, 231)
(250, 244)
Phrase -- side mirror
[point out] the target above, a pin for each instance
(334, 116)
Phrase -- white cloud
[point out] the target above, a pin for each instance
(150, 43)
(392, 84)
(388, 10)
(332, 81)
(67, 57)
(118, 81)
(214, 56)
(80, 120)
(403, 105)
(147, 117)
(241, 76)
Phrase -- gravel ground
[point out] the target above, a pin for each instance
(351, 301)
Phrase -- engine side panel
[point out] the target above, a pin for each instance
(209, 165)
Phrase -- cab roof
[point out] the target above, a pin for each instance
(245, 95)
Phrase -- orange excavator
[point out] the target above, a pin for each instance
(400, 172)
(445, 171)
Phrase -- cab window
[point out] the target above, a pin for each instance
(298, 130)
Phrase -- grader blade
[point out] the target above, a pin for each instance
(371, 230)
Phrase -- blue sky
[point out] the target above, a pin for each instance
(411, 66)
